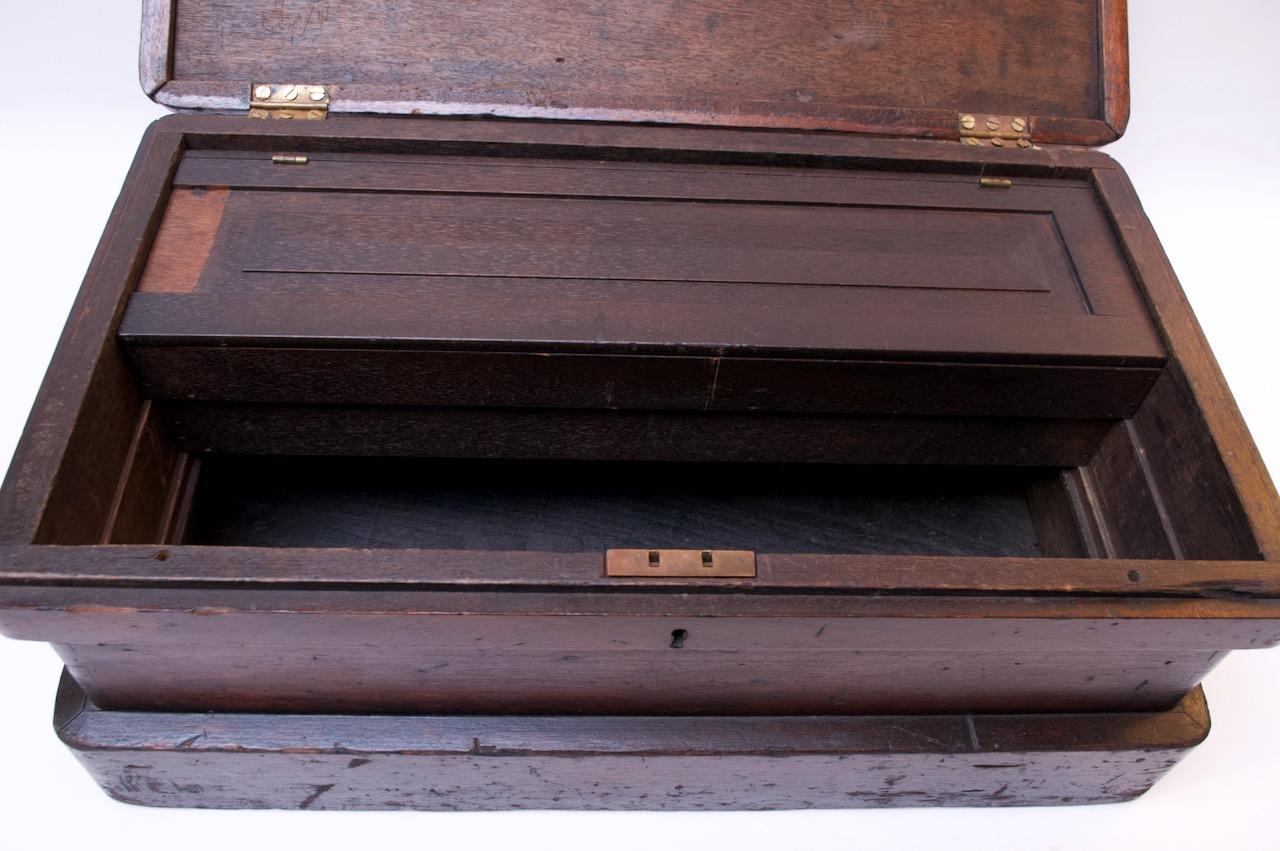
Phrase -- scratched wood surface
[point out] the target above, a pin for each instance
(899, 67)
(323, 762)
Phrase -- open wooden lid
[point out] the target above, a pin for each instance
(894, 67)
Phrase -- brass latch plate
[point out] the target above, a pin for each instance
(682, 563)
(995, 130)
(289, 100)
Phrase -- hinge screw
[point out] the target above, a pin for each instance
(968, 122)
(317, 93)
(1019, 124)
(262, 92)
(993, 124)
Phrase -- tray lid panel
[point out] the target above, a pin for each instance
(895, 67)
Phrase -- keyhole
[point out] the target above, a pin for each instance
(677, 638)
(654, 558)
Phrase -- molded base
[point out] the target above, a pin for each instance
(384, 762)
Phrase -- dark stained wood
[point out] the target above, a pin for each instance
(163, 627)
(886, 237)
(550, 255)
(427, 377)
(900, 68)
(168, 626)
(431, 136)
(146, 494)
(594, 506)
(630, 435)
(1123, 501)
(548, 762)
(623, 169)
(1093, 535)
(1201, 511)
(62, 480)
(943, 241)
(1114, 15)
(84, 490)
(1194, 421)
(1066, 513)
(160, 567)
(750, 655)
(1057, 524)
(485, 652)
(436, 315)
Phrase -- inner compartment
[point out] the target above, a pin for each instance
(508, 350)
(581, 482)
(583, 506)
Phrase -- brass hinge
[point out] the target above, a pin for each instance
(290, 100)
(999, 131)
(681, 563)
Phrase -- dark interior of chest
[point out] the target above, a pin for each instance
(568, 355)
(581, 506)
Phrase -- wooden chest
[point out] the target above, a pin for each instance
(701, 367)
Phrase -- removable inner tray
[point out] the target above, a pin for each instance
(371, 278)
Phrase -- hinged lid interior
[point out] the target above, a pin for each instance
(898, 67)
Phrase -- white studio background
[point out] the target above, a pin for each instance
(1201, 148)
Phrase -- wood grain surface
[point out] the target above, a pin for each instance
(897, 67)
(737, 276)
(185, 626)
(256, 761)
(186, 234)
